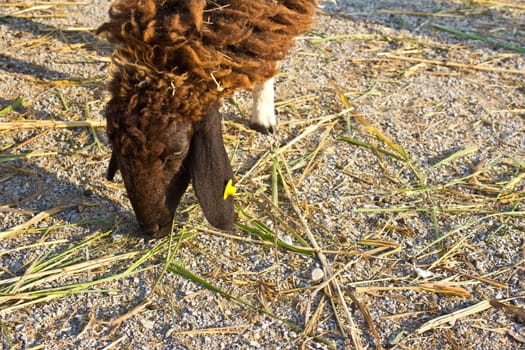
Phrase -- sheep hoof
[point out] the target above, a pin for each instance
(263, 129)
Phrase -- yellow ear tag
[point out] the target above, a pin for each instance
(229, 190)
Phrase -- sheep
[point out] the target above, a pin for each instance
(173, 63)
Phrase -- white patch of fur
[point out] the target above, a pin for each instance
(263, 114)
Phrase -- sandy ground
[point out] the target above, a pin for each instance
(423, 238)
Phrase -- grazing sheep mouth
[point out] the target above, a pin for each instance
(156, 230)
(150, 230)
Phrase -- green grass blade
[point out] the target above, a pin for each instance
(456, 155)
(65, 257)
(371, 129)
(275, 182)
(263, 232)
(372, 147)
(480, 38)
(16, 104)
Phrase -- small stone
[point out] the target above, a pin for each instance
(423, 273)
(317, 275)
(255, 344)
(147, 324)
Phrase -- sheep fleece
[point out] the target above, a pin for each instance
(178, 57)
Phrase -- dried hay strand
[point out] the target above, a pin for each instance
(51, 124)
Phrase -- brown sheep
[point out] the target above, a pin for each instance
(174, 61)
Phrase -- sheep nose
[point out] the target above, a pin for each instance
(150, 230)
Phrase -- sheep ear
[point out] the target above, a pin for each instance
(211, 170)
(113, 167)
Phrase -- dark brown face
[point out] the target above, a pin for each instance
(154, 171)
(158, 157)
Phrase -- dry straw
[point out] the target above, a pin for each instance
(272, 208)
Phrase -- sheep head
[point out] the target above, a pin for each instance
(157, 159)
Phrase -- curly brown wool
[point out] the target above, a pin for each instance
(197, 51)
(175, 59)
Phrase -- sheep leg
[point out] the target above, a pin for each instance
(263, 115)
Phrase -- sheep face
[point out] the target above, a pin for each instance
(153, 171)
(157, 166)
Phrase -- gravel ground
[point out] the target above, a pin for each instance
(410, 236)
